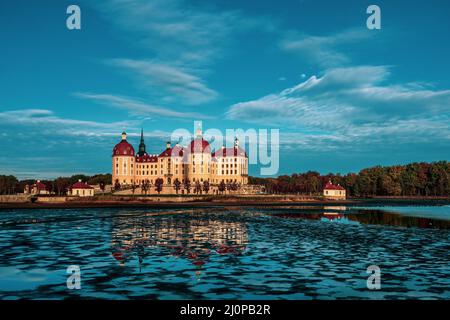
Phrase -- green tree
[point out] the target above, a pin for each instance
(206, 186)
(187, 185)
(177, 185)
(159, 185)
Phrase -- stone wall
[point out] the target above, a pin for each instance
(14, 198)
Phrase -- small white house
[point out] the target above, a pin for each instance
(334, 192)
(81, 189)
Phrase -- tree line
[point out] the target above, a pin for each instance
(59, 186)
(414, 179)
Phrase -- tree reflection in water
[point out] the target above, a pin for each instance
(372, 217)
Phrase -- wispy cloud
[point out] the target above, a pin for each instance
(325, 51)
(353, 106)
(137, 107)
(47, 121)
(176, 31)
(182, 42)
(164, 81)
(42, 144)
(179, 32)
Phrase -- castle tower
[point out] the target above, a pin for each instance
(123, 162)
(142, 151)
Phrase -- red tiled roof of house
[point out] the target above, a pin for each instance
(40, 186)
(81, 185)
(331, 186)
(147, 158)
(176, 151)
(230, 152)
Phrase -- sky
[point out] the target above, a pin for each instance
(343, 97)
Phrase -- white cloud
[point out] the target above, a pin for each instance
(180, 33)
(49, 121)
(176, 31)
(137, 107)
(182, 41)
(324, 50)
(40, 144)
(352, 106)
(163, 80)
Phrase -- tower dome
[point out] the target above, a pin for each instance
(123, 148)
(200, 146)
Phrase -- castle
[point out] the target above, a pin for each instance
(195, 163)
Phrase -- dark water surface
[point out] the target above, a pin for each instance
(226, 253)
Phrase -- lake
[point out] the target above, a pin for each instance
(283, 252)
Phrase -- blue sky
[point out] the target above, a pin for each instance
(343, 97)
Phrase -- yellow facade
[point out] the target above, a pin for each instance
(82, 192)
(193, 163)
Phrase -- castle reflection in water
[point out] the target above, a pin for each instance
(195, 238)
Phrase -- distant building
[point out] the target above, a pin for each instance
(195, 162)
(334, 192)
(81, 189)
(36, 189)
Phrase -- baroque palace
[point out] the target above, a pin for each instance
(194, 163)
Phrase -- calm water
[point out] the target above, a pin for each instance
(226, 253)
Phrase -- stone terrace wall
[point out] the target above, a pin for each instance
(14, 198)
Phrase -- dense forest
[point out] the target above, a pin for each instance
(10, 184)
(415, 179)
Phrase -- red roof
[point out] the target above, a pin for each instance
(146, 158)
(230, 152)
(331, 186)
(123, 148)
(199, 145)
(81, 185)
(176, 151)
(40, 186)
